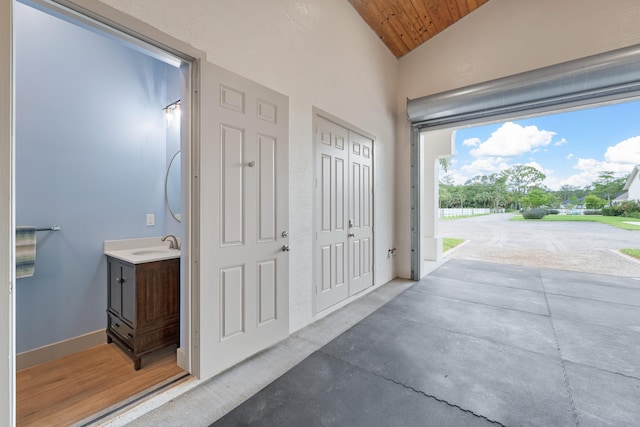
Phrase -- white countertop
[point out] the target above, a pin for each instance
(138, 251)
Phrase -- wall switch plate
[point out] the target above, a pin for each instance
(151, 219)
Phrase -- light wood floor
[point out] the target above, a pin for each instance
(73, 388)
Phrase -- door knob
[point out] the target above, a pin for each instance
(352, 235)
(285, 248)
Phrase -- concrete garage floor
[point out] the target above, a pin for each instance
(473, 343)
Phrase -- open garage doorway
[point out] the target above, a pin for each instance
(555, 191)
(598, 80)
(585, 320)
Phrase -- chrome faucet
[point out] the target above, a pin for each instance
(173, 244)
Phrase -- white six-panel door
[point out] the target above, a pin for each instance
(343, 241)
(243, 217)
(332, 207)
(360, 213)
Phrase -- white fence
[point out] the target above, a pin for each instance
(450, 213)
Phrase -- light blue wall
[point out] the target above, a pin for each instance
(174, 89)
(91, 153)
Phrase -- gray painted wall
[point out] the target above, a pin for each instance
(91, 153)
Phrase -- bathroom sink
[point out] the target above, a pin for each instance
(139, 251)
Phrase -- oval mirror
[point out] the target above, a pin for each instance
(172, 188)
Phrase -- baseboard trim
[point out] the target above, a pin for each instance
(59, 349)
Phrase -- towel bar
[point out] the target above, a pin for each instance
(52, 228)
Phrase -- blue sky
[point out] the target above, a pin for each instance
(569, 148)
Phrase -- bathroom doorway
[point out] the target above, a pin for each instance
(92, 151)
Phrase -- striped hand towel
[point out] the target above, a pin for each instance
(25, 251)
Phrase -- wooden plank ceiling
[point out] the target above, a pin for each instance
(403, 25)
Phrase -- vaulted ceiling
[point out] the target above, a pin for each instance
(403, 25)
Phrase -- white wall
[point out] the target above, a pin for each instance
(319, 53)
(501, 38)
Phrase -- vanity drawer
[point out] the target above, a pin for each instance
(123, 330)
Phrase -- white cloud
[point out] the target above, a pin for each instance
(459, 178)
(626, 152)
(471, 142)
(512, 140)
(561, 142)
(539, 167)
(594, 166)
(570, 156)
(588, 171)
(484, 166)
(578, 180)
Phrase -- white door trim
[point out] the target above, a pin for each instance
(112, 20)
(159, 44)
(7, 235)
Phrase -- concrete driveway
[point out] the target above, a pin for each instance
(578, 246)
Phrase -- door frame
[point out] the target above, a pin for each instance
(7, 213)
(115, 22)
(319, 113)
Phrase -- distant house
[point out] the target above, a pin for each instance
(621, 198)
(632, 187)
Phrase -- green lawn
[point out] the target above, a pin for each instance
(449, 243)
(631, 252)
(615, 221)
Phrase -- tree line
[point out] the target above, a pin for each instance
(521, 186)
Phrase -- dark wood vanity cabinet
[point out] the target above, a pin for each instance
(143, 313)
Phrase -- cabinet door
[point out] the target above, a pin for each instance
(115, 290)
(128, 286)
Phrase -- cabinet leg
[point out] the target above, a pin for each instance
(137, 363)
(109, 339)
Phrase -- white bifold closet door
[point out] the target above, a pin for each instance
(343, 243)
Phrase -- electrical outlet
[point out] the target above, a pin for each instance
(151, 219)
